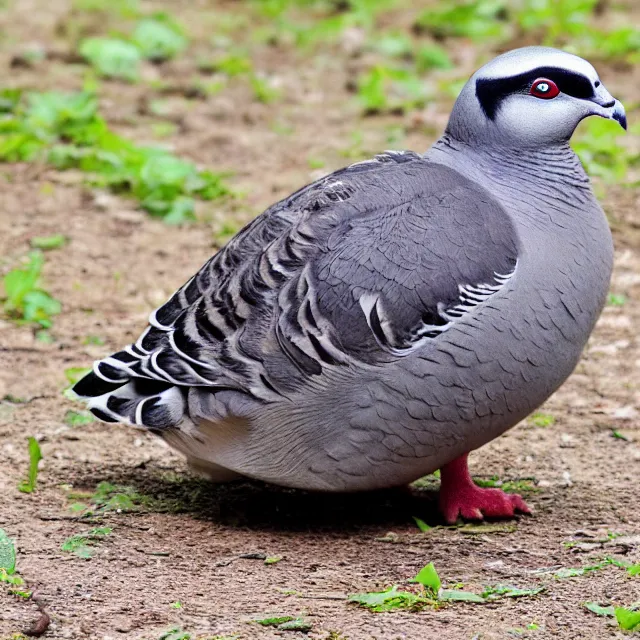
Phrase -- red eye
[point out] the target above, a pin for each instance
(544, 88)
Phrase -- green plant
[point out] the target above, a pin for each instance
(159, 38)
(599, 151)
(8, 573)
(46, 243)
(66, 130)
(78, 418)
(112, 57)
(285, 623)
(24, 300)
(476, 19)
(540, 419)
(628, 618)
(35, 455)
(432, 594)
(386, 89)
(82, 544)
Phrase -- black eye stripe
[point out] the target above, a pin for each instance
(490, 93)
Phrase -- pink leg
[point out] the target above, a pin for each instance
(460, 496)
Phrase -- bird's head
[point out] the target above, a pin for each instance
(534, 96)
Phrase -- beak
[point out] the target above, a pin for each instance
(609, 107)
(619, 114)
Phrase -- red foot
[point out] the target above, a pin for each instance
(459, 496)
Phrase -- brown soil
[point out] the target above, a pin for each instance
(187, 544)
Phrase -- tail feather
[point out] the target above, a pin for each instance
(135, 401)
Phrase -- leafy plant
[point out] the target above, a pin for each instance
(616, 300)
(476, 19)
(82, 544)
(599, 151)
(46, 243)
(159, 38)
(386, 89)
(8, 573)
(35, 455)
(78, 418)
(628, 618)
(431, 596)
(539, 419)
(421, 524)
(112, 57)
(285, 623)
(67, 131)
(25, 301)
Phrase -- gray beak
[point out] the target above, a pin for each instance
(609, 107)
(619, 115)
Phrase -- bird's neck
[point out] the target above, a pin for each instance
(523, 168)
(541, 185)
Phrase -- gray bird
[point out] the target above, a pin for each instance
(386, 320)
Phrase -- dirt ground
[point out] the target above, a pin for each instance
(191, 542)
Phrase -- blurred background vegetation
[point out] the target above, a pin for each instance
(103, 89)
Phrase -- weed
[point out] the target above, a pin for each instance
(35, 455)
(540, 419)
(272, 559)
(66, 130)
(616, 300)
(432, 594)
(78, 418)
(285, 623)
(628, 618)
(506, 591)
(159, 38)
(47, 243)
(176, 605)
(8, 573)
(123, 8)
(25, 301)
(422, 525)
(476, 19)
(522, 485)
(391, 89)
(112, 57)
(82, 544)
(599, 151)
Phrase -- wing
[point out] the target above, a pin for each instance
(362, 266)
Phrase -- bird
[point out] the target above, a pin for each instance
(384, 321)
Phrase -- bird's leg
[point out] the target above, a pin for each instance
(460, 496)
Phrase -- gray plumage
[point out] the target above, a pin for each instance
(394, 315)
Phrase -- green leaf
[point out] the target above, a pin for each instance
(453, 595)
(7, 553)
(634, 570)
(506, 591)
(422, 525)
(82, 544)
(112, 58)
(35, 455)
(274, 621)
(296, 625)
(159, 39)
(78, 418)
(73, 374)
(389, 600)
(428, 577)
(627, 619)
(46, 243)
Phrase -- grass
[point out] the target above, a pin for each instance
(431, 594)
(25, 301)
(8, 574)
(35, 455)
(285, 623)
(66, 131)
(83, 544)
(628, 618)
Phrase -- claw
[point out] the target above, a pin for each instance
(459, 496)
